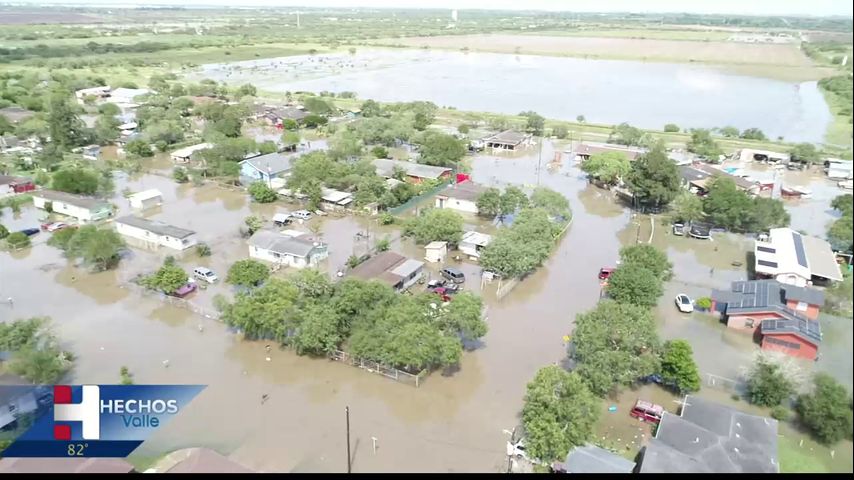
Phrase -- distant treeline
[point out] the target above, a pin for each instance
(45, 51)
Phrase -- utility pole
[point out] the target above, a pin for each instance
(347, 412)
(540, 160)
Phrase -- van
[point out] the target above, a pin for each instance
(302, 214)
(205, 274)
(282, 219)
(453, 275)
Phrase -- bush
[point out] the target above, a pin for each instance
(827, 410)
(203, 250)
(18, 240)
(180, 175)
(780, 413)
(704, 303)
(262, 193)
(464, 129)
(386, 218)
(380, 152)
(4, 232)
(768, 385)
(560, 131)
(139, 148)
(671, 128)
(247, 273)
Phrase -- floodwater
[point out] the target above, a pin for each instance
(604, 91)
(452, 423)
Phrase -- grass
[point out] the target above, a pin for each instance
(840, 130)
(641, 33)
(811, 456)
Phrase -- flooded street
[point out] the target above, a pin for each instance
(607, 92)
(453, 422)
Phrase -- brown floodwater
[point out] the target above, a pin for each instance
(452, 423)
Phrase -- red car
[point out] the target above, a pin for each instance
(647, 411)
(605, 272)
(187, 289)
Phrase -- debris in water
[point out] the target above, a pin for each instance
(166, 363)
(612, 408)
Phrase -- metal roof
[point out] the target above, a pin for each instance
(509, 137)
(187, 151)
(88, 203)
(762, 295)
(809, 330)
(385, 168)
(282, 244)
(408, 267)
(476, 238)
(463, 191)
(272, 163)
(155, 227)
(821, 259)
(146, 195)
(592, 459)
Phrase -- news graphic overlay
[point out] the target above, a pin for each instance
(89, 420)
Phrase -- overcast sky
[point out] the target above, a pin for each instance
(749, 7)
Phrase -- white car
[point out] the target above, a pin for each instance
(302, 214)
(684, 303)
(205, 274)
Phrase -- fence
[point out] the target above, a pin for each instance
(414, 200)
(723, 383)
(174, 301)
(374, 367)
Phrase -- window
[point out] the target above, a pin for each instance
(802, 306)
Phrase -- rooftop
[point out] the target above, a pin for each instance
(592, 459)
(72, 199)
(282, 244)
(463, 191)
(16, 114)
(593, 148)
(388, 267)
(128, 94)
(740, 182)
(272, 163)
(146, 194)
(155, 227)
(187, 151)
(476, 238)
(510, 137)
(385, 168)
(749, 155)
(711, 438)
(789, 252)
(807, 330)
(7, 179)
(757, 294)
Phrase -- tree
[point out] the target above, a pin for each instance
(511, 200)
(728, 131)
(615, 345)
(246, 90)
(535, 123)
(463, 128)
(106, 129)
(559, 413)
(60, 238)
(441, 150)
(370, 108)
(262, 193)
(169, 278)
(314, 121)
(318, 330)
(435, 225)
(318, 106)
(625, 134)
(489, 202)
(753, 134)
(5, 126)
(247, 273)
(50, 156)
(805, 153)
(733, 209)
(379, 152)
(648, 257)
(671, 128)
(126, 376)
(253, 223)
(290, 139)
(180, 175)
(139, 148)
(314, 191)
(654, 178)
(554, 203)
(76, 180)
(634, 284)
(518, 250)
(44, 365)
(767, 383)
(704, 145)
(826, 411)
(290, 124)
(609, 167)
(64, 126)
(687, 207)
(4, 232)
(560, 131)
(110, 109)
(678, 367)
(840, 232)
(18, 240)
(98, 248)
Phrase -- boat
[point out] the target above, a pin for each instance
(795, 192)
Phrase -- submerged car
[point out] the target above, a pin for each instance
(185, 290)
(684, 303)
(30, 231)
(443, 285)
(605, 273)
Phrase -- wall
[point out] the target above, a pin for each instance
(268, 256)
(408, 282)
(162, 240)
(81, 214)
(741, 322)
(806, 350)
(456, 204)
(811, 311)
(148, 203)
(249, 172)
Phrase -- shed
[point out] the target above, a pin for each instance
(839, 169)
(460, 196)
(473, 242)
(183, 155)
(436, 251)
(146, 199)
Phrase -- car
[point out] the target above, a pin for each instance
(684, 303)
(647, 411)
(605, 273)
(302, 214)
(443, 285)
(205, 274)
(57, 226)
(30, 231)
(282, 219)
(185, 290)
(453, 274)
(679, 229)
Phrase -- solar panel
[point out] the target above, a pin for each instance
(766, 263)
(767, 249)
(799, 249)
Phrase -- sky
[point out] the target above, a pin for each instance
(746, 7)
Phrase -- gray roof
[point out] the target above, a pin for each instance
(691, 174)
(592, 459)
(711, 438)
(388, 267)
(809, 330)
(15, 114)
(463, 191)
(281, 244)
(72, 199)
(288, 113)
(509, 137)
(821, 259)
(273, 163)
(7, 179)
(631, 153)
(385, 168)
(155, 226)
(408, 267)
(765, 293)
(739, 181)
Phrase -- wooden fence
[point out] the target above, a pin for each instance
(373, 367)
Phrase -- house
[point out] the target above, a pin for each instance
(585, 150)
(746, 155)
(508, 140)
(697, 176)
(335, 199)
(128, 128)
(460, 196)
(155, 233)
(414, 172)
(277, 116)
(297, 252)
(593, 459)
(64, 465)
(91, 152)
(797, 337)
(15, 114)
(10, 185)
(146, 199)
(97, 92)
(127, 96)
(839, 169)
(266, 167)
(707, 437)
(794, 259)
(198, 460)
(473, 242)
(436, 252)
(183, 155)
(391, 268)
(84, 209)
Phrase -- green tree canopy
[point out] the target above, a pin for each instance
(654, 178)
(609, 167)
(511, 200)
(559, 413)
(633, 284)
(805, 153)
(687, 207)
(139, 148)
(649, 257)
(18, 240)
(247, 273)
(524, 246)
(489, 202)
(98, 248)
(554, 203)
(678, 367)
(671, 128)
(704, 145)
(441, 150)
(753, 134)
(728, 131)
(768, 384)
(625, 134)
(826, 411)
(262, 193)
(534, 123)
(168, 278)
(733, 209)
(64, 126)
(77, 180)
(435, 225)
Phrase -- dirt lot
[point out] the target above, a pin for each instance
(620, 48)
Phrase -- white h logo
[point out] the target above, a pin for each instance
(88, 412)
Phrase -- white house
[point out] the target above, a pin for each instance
(335, 199)
(183, 155)
(123, 95)
(297, 252)
(460, 196)
(155, 233)
(84, 209)
(473, 242)
(146, 199)
(795, 259)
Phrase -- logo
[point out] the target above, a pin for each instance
(96, 420)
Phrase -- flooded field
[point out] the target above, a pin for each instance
(453, 422)
(604, 91)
